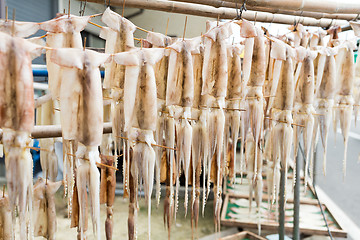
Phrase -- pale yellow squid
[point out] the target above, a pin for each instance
(158, 40)
(281, 114)
(84, 117)
(119, 36)
(214, 89)
(17, 121)
(303, 104)
(140, 108)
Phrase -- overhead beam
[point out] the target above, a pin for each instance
(322, 6)
(317, 15)
(222, 13)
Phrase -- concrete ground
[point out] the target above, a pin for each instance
(343, 191)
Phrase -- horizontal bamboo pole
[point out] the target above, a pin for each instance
(222, 13)
(41, 100)
(323, 6)
(317, 15)
(53, 131)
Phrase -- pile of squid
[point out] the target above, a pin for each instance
(205, 108)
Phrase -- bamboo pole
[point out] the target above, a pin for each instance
(223, 13)
(312, 14)
(43, 99)
(53, 131)
(323, 6)
(282, 204)
(296, 225)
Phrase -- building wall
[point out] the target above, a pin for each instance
(32, 10)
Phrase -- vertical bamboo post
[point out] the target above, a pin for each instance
(282, 204)
(314, 165)
(296, 226)
(69, 10)
(123, 9)
(167, 26)
(185, 28)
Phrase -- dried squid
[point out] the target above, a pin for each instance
(232, 125)
(17, 122)
(255, 98)
(214, 89)
(303, 103)
(18, 29)
(119, 36)
(159, 40)
(44, 208)
(179, 100)
(64, 32)
(140, 108)
(84, 119)
(325, 97)
(200, 145)
(281, 114)
(344, 97)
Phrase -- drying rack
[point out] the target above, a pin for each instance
(319, 13)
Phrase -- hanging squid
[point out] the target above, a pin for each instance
(317, 40)
(303, 103)
(119, 36)
(179, 100)
(281, 114)
(214, 89)
(159, 40)
(234, 87)
(18, 28)
(64, 32)
(255, 99)
(83, 116)
(325, 94)
(17, 122)
(140, 108)
(345, 86)
(247, 31)
(277, 56)
(199, 149)
(44, 208)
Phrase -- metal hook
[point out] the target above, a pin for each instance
(82, 8)
(330, 23)
(242, 8)
(357, 17)
(255, 18)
